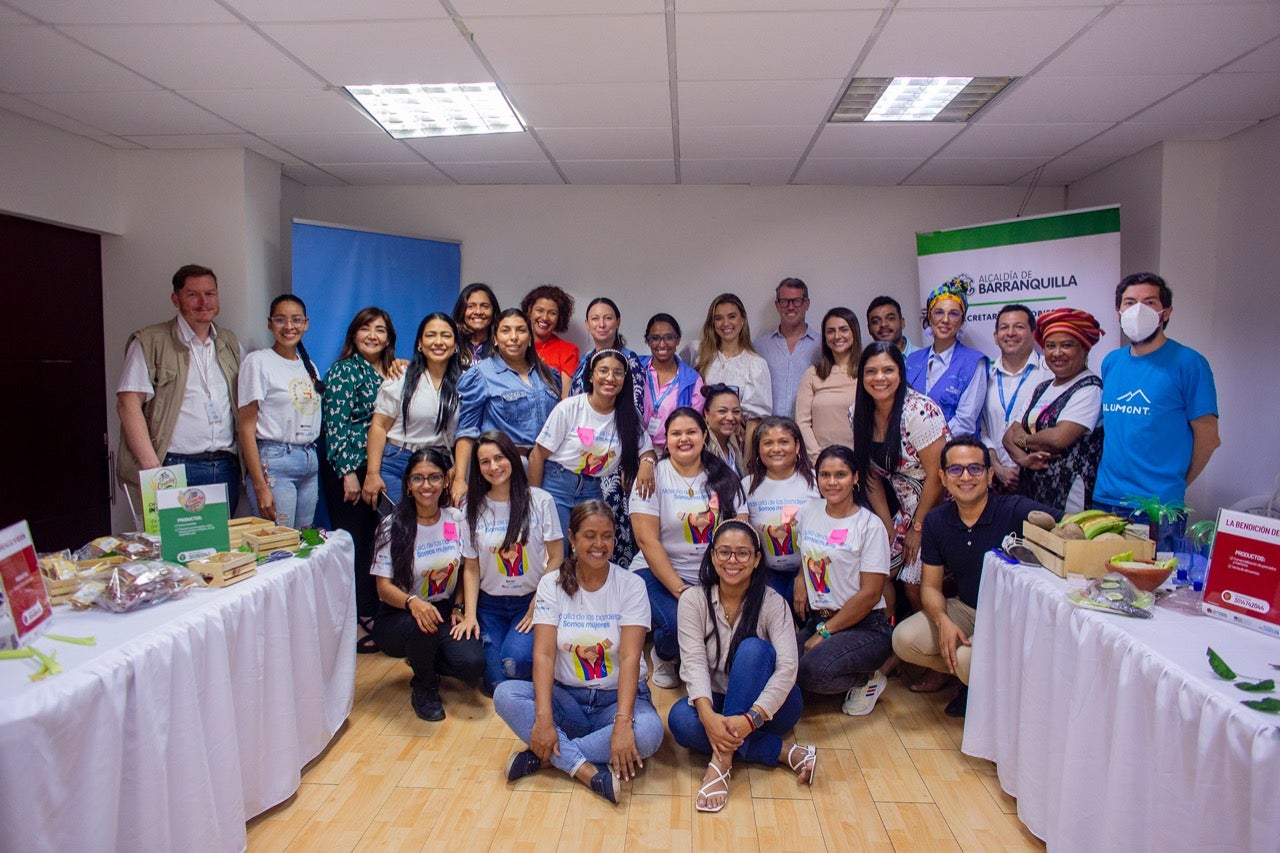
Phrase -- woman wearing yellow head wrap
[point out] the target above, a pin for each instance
(1058, 444)
(953, 375)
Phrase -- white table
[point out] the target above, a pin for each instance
(1112, 732)
(186, 719)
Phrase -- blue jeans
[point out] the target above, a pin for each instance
(847, 658)
(662, 610)
(1169, 530)
(293, 476)
(583, 718)
(394, 460)
(783, 583)
(209, 468)
(507, 652)
(568, 489)
(753, 666)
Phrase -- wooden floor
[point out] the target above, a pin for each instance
(894, 780)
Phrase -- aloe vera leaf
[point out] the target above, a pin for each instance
(1269, 705)
(1219, 666)
(79, 641)
(16, 654)
(1256, 686)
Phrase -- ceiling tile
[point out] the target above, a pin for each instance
(1068, 170)
(619, 172)
(961, 4)
(1022, 140)
(287, 111)
(10, 16)
(492, 8)
(512, 147)
(386, 52)
(389, 174)
(134, 113)
(744, 142)
(607, 143)
(594, 104)
(187, 141)
(338, 10)
(770, 46)
(271, 152)
(761, 102)
(883, 139)
(859, 171)
(201, 56)
(1264, 59)
(321, 148)
(126, 11)
(503, 173)
(960, 171)
(770, 172)
(23, 107)
(1220, 97)
(972, 42)
(777, 5)
(1153, 39)
(311, 176)
(1064, 99)
(117, 142)
(39, 59)
(596, 49)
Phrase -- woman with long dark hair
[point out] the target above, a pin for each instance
(416, 411)
(738, 660)
(827, 390)
(513, 538)
(513, 392)
(779, 482)
(669, 383)
(694, 490)
(475, 313)
(279, 420)
(417, 562)
(589, 436)
(587, 711)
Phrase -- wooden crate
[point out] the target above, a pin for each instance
(270, 539)
(226, 567)
(1084, 556)
(61, 589)
(238, 527)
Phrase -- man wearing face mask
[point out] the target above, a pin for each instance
(1159, 407)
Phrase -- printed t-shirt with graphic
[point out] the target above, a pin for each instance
(1148, 404)
(515, 571)
(583, 441)
(589, 626)
(437, 556)
(686, 517)
(288, 403)
(422, 428)
(837, 551)
(772, 509)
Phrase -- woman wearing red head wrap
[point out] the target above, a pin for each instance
(1058, 443)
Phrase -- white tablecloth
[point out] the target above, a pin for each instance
(186, 719)
(1112, 732)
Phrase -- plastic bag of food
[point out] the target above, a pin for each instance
(1114, 593)
(58, 565)
(137, 584)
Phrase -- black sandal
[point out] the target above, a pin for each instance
(366, 644)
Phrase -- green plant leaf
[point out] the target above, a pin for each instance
(79, 641)
(1256, 686)
(1219, 666)
(1269, 705)
(311, 536)
(16, 654)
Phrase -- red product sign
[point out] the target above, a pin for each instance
(24, 602)
(1243, 585)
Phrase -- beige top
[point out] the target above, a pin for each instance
(702, 676)
(823, 409)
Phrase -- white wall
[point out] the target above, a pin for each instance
(1134, 183)
(53, 176)
(673, 248)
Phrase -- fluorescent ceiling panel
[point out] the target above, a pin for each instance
(414, 110)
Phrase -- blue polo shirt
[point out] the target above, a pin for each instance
(948, 541)
(493, 396)
(787, 366)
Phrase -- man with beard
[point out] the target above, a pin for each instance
(884, 323)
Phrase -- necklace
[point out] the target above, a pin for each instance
(429, 520)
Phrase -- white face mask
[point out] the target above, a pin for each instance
(1139, 322)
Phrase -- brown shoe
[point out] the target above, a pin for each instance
(932, 681)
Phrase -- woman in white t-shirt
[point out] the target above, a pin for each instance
(725, 354)
(415, 411)
(779, 482)
(514, 537)
(844, 547)
(588, 704)
(693, 491)
(279, 420)
(589, 436)
(417, 562)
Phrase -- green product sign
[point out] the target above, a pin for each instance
(193, 522)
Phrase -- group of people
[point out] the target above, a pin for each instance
(525, 514)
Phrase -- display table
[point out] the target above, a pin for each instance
(1112, 732)
(187, 719)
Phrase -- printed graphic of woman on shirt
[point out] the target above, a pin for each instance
(816, 566)
(590, 661)
(437, 579)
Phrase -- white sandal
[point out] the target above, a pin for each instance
(808, 761)
(704, 794)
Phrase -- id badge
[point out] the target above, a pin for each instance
(654, 427)
(212, 412)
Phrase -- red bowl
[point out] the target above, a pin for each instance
(1146, 579)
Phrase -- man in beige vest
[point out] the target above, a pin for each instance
(177, 393)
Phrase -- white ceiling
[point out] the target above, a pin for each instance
(647, 91)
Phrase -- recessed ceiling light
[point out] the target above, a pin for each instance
(916, 98)
(437, 109)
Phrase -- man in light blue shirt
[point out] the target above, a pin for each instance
(885, 323)
(790, 349)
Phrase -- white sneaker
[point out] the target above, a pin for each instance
(861, 700)
(666, 673)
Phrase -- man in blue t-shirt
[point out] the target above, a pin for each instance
(1159, 408)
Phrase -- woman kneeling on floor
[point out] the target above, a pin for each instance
(588, 704)
(738, 662)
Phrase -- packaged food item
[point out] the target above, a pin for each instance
(137, 584)
(58, 565)
(1114, 593)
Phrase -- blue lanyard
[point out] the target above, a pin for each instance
(653, 390)
(1008, 407)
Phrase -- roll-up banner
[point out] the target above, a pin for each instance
(1058, 260)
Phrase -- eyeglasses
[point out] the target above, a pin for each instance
(606, 372)
(733, 555)
(280, 322)
(430, 479)
(662, 339)
(975, 469)
(944, 314)
(791, 301)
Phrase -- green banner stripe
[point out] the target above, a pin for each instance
(1006, 302)
(1083, 224)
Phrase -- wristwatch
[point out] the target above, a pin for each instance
(756, 718)
(821, 628)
